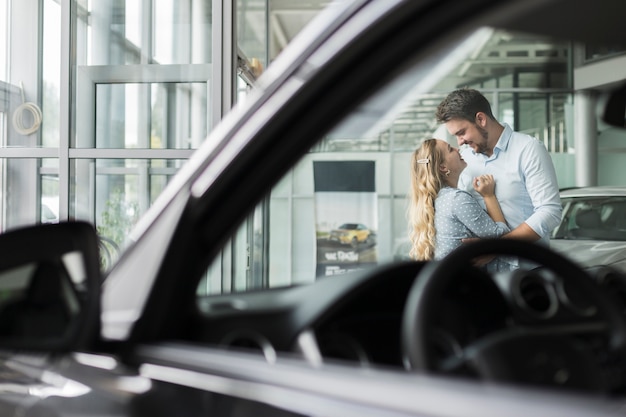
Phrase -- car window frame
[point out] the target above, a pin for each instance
(198, 234)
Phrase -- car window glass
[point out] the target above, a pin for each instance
(343, 206)
(595, 218)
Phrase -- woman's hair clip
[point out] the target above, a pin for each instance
(423, 161)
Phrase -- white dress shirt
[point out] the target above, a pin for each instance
(526, 182)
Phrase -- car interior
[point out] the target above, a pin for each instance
(593, 217)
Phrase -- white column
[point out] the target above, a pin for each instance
(585, 138)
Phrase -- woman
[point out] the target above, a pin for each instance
(440, 215)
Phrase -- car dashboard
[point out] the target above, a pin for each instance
(357, 319)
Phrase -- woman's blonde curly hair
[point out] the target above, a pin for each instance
(426, 181)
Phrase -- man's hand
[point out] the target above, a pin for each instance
(470, 239)
(481, 260)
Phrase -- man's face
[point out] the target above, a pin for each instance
(468, 133)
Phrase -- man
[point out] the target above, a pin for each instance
(526, 182)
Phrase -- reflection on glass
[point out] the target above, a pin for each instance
(75, 265)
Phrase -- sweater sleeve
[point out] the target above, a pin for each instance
(469, 212)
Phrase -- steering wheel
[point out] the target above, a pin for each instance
(505, 355)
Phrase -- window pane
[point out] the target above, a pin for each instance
(51, 73)
(182, 31)
(49, 198)
(4, 40)
(150, 116)
(542, 115)
(119, 33)
(114, 193)
(32, 196)
(252, 30)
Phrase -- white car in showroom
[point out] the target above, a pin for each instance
(593, 228)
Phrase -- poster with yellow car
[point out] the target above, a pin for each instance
(346, 214)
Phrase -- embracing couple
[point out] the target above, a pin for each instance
(454, 195)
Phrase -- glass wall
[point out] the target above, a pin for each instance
(119, 96)
(145, 69)
(120, 93)
(144, 72)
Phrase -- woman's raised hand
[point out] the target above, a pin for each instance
(485, 185)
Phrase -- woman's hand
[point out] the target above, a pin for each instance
(485, 185)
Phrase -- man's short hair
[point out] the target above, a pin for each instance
(463, 103)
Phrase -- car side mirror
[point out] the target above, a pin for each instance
(613, 106)
(49, 287)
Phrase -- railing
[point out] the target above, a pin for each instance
(553, 136)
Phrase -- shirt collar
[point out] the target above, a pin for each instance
(501, 144)
(505, 138)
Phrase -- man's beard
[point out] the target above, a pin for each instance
(482, 147)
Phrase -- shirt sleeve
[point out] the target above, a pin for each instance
(474, 218)
(543, 189)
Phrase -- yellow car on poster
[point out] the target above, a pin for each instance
(351, 234)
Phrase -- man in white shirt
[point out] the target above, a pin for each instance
(527, 186)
